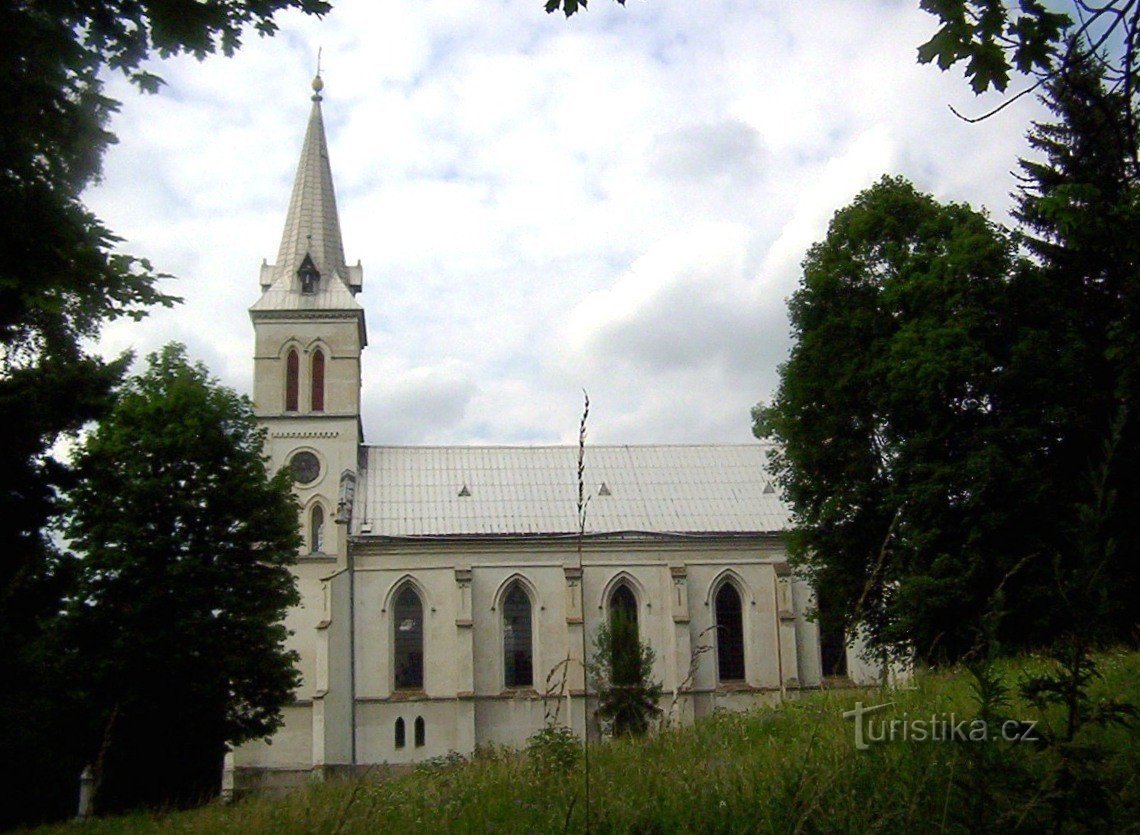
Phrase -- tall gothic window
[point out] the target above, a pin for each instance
(625, 645)
(317, 381)
(292, 372)
(729, 634)
(317, 530)
(518, 660)
(408, 623)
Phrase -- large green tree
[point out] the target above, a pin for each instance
(884, 416)
(1073, 382)
(60, 279)
(183, 582)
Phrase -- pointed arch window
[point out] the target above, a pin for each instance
(625, 646)
(408, 640)
(317, 530)
(421, 732)
(518, 648)
(292, 374)
(729, 634)
(401, 736)
(317, 381)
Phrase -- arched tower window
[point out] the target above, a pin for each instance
(518, 652)
(729, 634)
(400, 732)
(317, 530)
(408, 640)
(292, 372)
(420, 732)
(625, 646)
(317, 381)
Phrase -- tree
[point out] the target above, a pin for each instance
(60, 279)
(569, 7)
(621, 672)
(1074, 376)
(185, 543)
(885, 418)
(994, 40)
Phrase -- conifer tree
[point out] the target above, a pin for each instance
(1075, 367)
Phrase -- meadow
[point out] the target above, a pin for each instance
(790, 768)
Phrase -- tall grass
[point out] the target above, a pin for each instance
(790, 768)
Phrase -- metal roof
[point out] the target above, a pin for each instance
(532, 490)
(312, 227)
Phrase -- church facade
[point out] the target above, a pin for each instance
(449, 594)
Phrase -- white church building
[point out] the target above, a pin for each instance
(441, 585)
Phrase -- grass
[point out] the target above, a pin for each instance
(792, 768)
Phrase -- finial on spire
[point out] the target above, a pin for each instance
(318, 84)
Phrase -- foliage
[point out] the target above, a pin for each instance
(621, 673)
(935, 449)
(569, 7)
(1074, 782)
(1074, 372)
(884, 417)
(183, 582)
(788, 768)
(554, 748)
(60, 279)
(993, 39)
(1035, 39)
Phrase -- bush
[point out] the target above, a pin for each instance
(554, 748)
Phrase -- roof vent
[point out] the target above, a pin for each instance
(768, 488)
(464, 493)
(603, 490)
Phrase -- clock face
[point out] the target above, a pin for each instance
(305, 467)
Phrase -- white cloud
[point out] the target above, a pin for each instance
(618, 202)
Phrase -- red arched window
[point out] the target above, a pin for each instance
(318, 382)
(292, 370)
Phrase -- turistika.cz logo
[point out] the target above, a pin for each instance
(937, 727)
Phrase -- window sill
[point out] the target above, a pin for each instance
(408, 695)
(519, 692)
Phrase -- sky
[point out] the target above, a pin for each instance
(617, 203)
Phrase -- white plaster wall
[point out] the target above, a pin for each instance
(291, 747)
(546, 584)
(338, 699)
(490, 714)
(377, 723)
(807, 635)
(509, 721)
(375, 589)
(339, 339)
(304, 620)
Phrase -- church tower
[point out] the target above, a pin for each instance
(309, 335)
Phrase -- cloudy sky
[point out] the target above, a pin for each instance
(618, 202)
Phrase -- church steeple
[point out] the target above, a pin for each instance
(310, 260)
(309, 326)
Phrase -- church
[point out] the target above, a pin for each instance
(448, 593)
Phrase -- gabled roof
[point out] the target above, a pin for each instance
(312, 230)
(412, 492)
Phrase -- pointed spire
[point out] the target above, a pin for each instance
(310, 273)
(312, 226)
